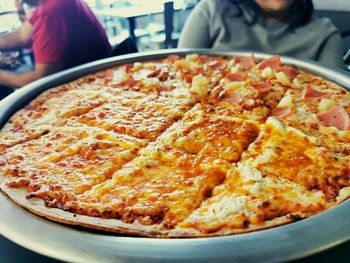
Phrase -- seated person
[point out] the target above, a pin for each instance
(273, 26)
(62, 33)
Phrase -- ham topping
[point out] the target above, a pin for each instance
(217, 64)
(163, 76)
(230, 96)
(247, 62)
(235, 60)
(130, 82)
(290, 72)
(241, 76)
(165, 89)
(173, 58)
(335, 117)
(281, 112)
(262, 86)
(128, 68)
(154, 73)
(310, 93)
(204, 58)
(106, 75)
(272, 62)
(187, 77)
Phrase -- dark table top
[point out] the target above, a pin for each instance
(13, 253)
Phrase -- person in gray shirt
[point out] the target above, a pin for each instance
(284, 27)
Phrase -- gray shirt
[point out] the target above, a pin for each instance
(215, 24)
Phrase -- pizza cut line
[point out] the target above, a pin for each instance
(193, 146)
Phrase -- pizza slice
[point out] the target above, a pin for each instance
(249, 200)
(211, 67)
(175, 107)
(151, 77)
(186, 78)
(319, 113)
(67, 161)
(286, 152)
(162, 186)
(249, 95)
(306, 79)
(208, 134)
(195, 75)
(60, 142)
(50, 109)
(135, 120)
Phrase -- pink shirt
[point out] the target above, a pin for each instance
(67, 32)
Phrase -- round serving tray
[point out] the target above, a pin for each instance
(292, 241)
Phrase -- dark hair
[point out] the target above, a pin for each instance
(300, 10)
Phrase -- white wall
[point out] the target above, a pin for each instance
(339, 5)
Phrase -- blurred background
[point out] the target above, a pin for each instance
(156, 24)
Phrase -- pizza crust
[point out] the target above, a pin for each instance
(37, 205)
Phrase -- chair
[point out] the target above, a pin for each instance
(160, 32)
(170, 36)
(127, 46)
(168, 23)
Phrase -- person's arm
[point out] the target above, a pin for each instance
(18, 80)
(20, 11)
(19, 39)
(18, 4)
(195, 33)
(332, 51)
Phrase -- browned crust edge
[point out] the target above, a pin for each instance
(37, 206)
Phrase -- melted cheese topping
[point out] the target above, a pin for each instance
(247, 199)
(297, 158)
(74, 158)
(139, 121)
(129, 143)
(164, 187)
(305, 111)
(200, 133)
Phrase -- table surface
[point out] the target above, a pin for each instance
(13, 253)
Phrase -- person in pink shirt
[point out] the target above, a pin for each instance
(62, 33)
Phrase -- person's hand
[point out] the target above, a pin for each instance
(22, 16)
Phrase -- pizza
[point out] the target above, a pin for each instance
(193, 146)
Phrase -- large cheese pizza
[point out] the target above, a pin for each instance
(190, 146)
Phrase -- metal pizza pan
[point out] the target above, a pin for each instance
(73, 244)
